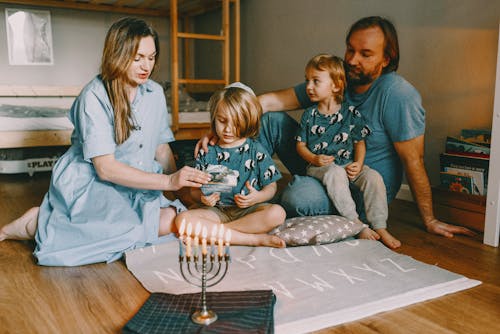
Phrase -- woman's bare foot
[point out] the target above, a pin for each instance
(23, 228)
(368, 234)
(388, 239)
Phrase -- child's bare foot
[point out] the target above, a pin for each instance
(388, 239)
(23, 228)
(265, 240)
(273, 241)
(368, 234)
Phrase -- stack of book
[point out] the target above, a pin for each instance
(465, 163)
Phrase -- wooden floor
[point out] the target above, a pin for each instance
(101, 298)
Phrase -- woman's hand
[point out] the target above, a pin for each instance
(208, 139)
(210, 200)
(188, 177)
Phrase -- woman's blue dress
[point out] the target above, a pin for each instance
(86, 220)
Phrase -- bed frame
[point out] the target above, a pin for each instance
(34, 138)
(178, 11)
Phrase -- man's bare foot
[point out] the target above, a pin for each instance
(368, 234)
(23, 228)
(388, 239)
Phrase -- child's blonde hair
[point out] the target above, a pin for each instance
(335, 67)
(241, 105)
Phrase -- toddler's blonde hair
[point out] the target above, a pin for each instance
(335, 67)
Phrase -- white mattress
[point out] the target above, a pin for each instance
(63, 123)
(35, 113)
(34, 123)
(26, 114)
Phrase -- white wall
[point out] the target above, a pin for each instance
(78, 38)
(448, 51)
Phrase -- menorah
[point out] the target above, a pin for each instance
(210, 270)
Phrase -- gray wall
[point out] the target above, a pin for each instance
(448, 52)
(78, 38)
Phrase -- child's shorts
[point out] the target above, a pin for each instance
(229, 213)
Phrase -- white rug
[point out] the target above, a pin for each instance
(316, 286)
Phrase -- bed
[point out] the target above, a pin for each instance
(184, 123)
(33, 119)
(35, 129)
(20, 123)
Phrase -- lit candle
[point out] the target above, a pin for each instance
(181, 238)
(182, 228)
(228, 239)
(196, 241)
(188, 239)
(204, 241)
(212, 240)
(220, 242)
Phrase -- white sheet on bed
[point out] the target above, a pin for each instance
(63, 123)
(19, 114)
(34, 123)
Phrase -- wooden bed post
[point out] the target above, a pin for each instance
(236, 40)
(225, 30)
(174, 73)
(195, 130)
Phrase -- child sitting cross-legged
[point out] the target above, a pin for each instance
(243, 174)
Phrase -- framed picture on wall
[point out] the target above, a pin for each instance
(29, 36)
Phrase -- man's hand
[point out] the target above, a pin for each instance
(438, 227)
(208, 139)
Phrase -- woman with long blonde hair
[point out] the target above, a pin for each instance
(106, 191)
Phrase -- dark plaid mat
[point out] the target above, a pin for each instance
(237, 311)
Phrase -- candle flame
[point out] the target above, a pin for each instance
(214, 231)
(189, 229)
(228, 236)
(204, 232)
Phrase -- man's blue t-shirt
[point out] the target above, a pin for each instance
(393, 110)
(333, 134)
(250, 160)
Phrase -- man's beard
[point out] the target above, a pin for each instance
(360, 79)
